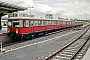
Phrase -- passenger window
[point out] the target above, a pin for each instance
(44, 23)
(40, 23)
(21, 23)
(27, 23)
(48, 22)
(36, 23)
(56, 22)
(67, 22)
(61, 22)
(70, 22)
(31, 23)
(64, 22)
(52, 22)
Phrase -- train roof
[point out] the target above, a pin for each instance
(32, 18)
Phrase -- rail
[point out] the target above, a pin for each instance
(54, 54)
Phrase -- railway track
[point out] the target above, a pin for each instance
(72, 50)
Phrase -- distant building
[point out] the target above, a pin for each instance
(4, 23)
(49, 16)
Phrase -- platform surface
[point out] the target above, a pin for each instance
(38, 49)
(3, 30)
(87, 55)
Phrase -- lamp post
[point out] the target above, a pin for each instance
(3, 38)
(48, 13)
(58, 15)
(30, 10)
(1, 47)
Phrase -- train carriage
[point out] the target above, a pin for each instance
(27, 27)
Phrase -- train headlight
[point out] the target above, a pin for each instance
(16, 30)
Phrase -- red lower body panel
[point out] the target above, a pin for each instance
(27, 30)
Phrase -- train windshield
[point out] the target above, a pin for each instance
(13, 23)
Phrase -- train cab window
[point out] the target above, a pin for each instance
(16, 23)
(9, 23)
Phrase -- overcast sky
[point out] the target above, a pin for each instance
(65, 8)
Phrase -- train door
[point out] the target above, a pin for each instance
(31, 23)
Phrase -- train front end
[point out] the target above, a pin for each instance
(13, 28)
(18, 28)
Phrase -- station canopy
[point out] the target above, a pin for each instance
(6, 8)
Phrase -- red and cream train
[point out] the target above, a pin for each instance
(27, 27)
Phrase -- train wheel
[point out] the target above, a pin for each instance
(22, 39)
(46, 34)
(28, 37)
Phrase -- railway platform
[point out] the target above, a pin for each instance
(87, 55)
(3, 31)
